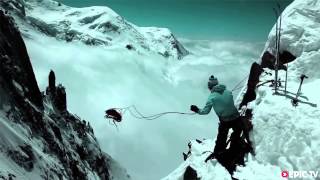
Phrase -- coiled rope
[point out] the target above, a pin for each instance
(119, 112)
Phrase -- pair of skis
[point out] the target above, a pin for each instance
(278, 14)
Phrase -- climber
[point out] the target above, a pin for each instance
(221, 100)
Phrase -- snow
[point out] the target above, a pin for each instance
(100, 26)
(286, 138)
(12, 137)
(300, 29)
(205, 171)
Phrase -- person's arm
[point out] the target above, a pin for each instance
(207, 108)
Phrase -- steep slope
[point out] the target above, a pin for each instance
(95, 26)
(286, 138)
(40, 139)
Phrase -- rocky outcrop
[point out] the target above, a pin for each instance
(190, 174)
(44, 137)
(56, 94)
(16, 6)
(268, 60)
(19, 90)
(253, 80)
(15, 63)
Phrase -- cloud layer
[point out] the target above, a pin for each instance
(99, 78)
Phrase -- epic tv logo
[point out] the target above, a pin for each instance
(300, 174)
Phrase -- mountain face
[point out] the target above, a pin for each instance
(285, 135)
(40, 139)
(94, 26)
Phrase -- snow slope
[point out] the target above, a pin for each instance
(285, 138)
(98, 26)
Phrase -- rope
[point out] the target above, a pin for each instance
(240, 87)
(137, 114)
(237, 87)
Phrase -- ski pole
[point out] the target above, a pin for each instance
(277, 53)
(302, 77)
(295, 100)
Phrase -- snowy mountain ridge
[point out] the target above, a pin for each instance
(286, 138)
(95, 26)
(40, 138)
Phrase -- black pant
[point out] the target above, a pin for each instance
(224, 127)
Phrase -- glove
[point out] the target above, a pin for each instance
(194, 108)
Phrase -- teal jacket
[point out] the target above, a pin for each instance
(221, 100)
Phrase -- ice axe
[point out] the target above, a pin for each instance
(296, 100)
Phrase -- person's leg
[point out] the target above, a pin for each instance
(247, 126)
(221, 137)
(237, 127)
(220, 141)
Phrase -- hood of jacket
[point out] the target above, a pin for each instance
(220, 88)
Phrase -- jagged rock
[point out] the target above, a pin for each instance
(268, 60)
(108, 27)
(23, 156)
(56, 131)
(57, 94)
(77, 172)
(48, 29)
(190, 174)
(52, 82)
(60, 100)
(129, 47)
(250, 94)
(15, 63)
(82, 152)
(90, 19)
(16, 6)
(177, 45)
(7, 177)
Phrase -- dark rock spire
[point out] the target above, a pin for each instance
(56, 94)
(52, 80)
